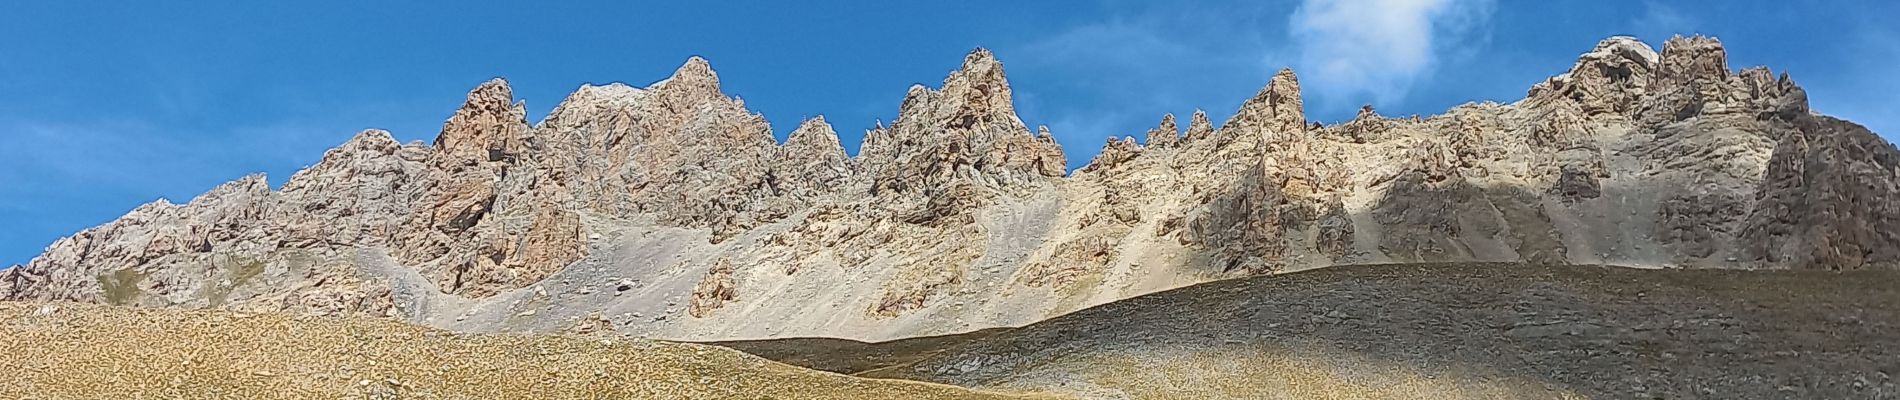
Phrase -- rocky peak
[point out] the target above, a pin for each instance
(1273, 112)
(1625, 47)
(250, 185)
(1694, 58)
(1165, 134)
(815, 137)
(1115, 152)
(1199, 127)
(1365, 127)
(358, 156)
(366, 144)
(1608, 79)
(1693, 79)
(1283, 96)
(490, 126)
(578, 107)
(812, 159)
(968, 128)
(695, 76)
(357, 194)
(980, 84)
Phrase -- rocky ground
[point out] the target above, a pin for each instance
(1456, 330)
(84, 351)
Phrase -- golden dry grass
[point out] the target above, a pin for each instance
(82, 351)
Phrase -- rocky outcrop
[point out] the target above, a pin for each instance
(1607, 80)
(957, 216)
(966, 132)
(714, 290)
(1199, 128)
(1826, 201)
(1277, 110)
(360, 193)
(486, 219)
(813, 162)
(1114, 153)
(1166, 134)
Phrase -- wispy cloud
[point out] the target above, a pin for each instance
(1353, 49)
(1658, 21)
(1117, 76)
(1659, 17)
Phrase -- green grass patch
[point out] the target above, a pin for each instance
(238, 271)
(122, 286)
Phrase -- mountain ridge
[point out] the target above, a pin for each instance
(958, 216)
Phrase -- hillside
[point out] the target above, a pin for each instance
(78, 351)
(1453, 330)
(672, 212)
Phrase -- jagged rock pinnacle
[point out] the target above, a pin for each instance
(812, 159)
(1199, 127)
(1276, 111)
(693, 84)
(489, 125)
(1283, 97)
(814, 134)
(696, 72)
(1165, 134)
(980, 85)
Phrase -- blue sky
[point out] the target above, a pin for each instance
(104, 106)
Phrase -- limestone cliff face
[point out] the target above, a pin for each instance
(671, 211)
(483, 197)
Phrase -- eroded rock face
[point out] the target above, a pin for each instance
(1827, 200)
(813, 162)
(958, 216)
(965, 132)
(679, 150)
(486, 219)
(1608, 79)
(359, 193)
(1277, 110)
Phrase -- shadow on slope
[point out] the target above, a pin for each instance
(846, 356)
(1436, 330)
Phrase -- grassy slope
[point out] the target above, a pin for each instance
(91, 351)
(1465, 330)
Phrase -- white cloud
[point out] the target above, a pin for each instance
(1350, 49)
(1116, 76)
